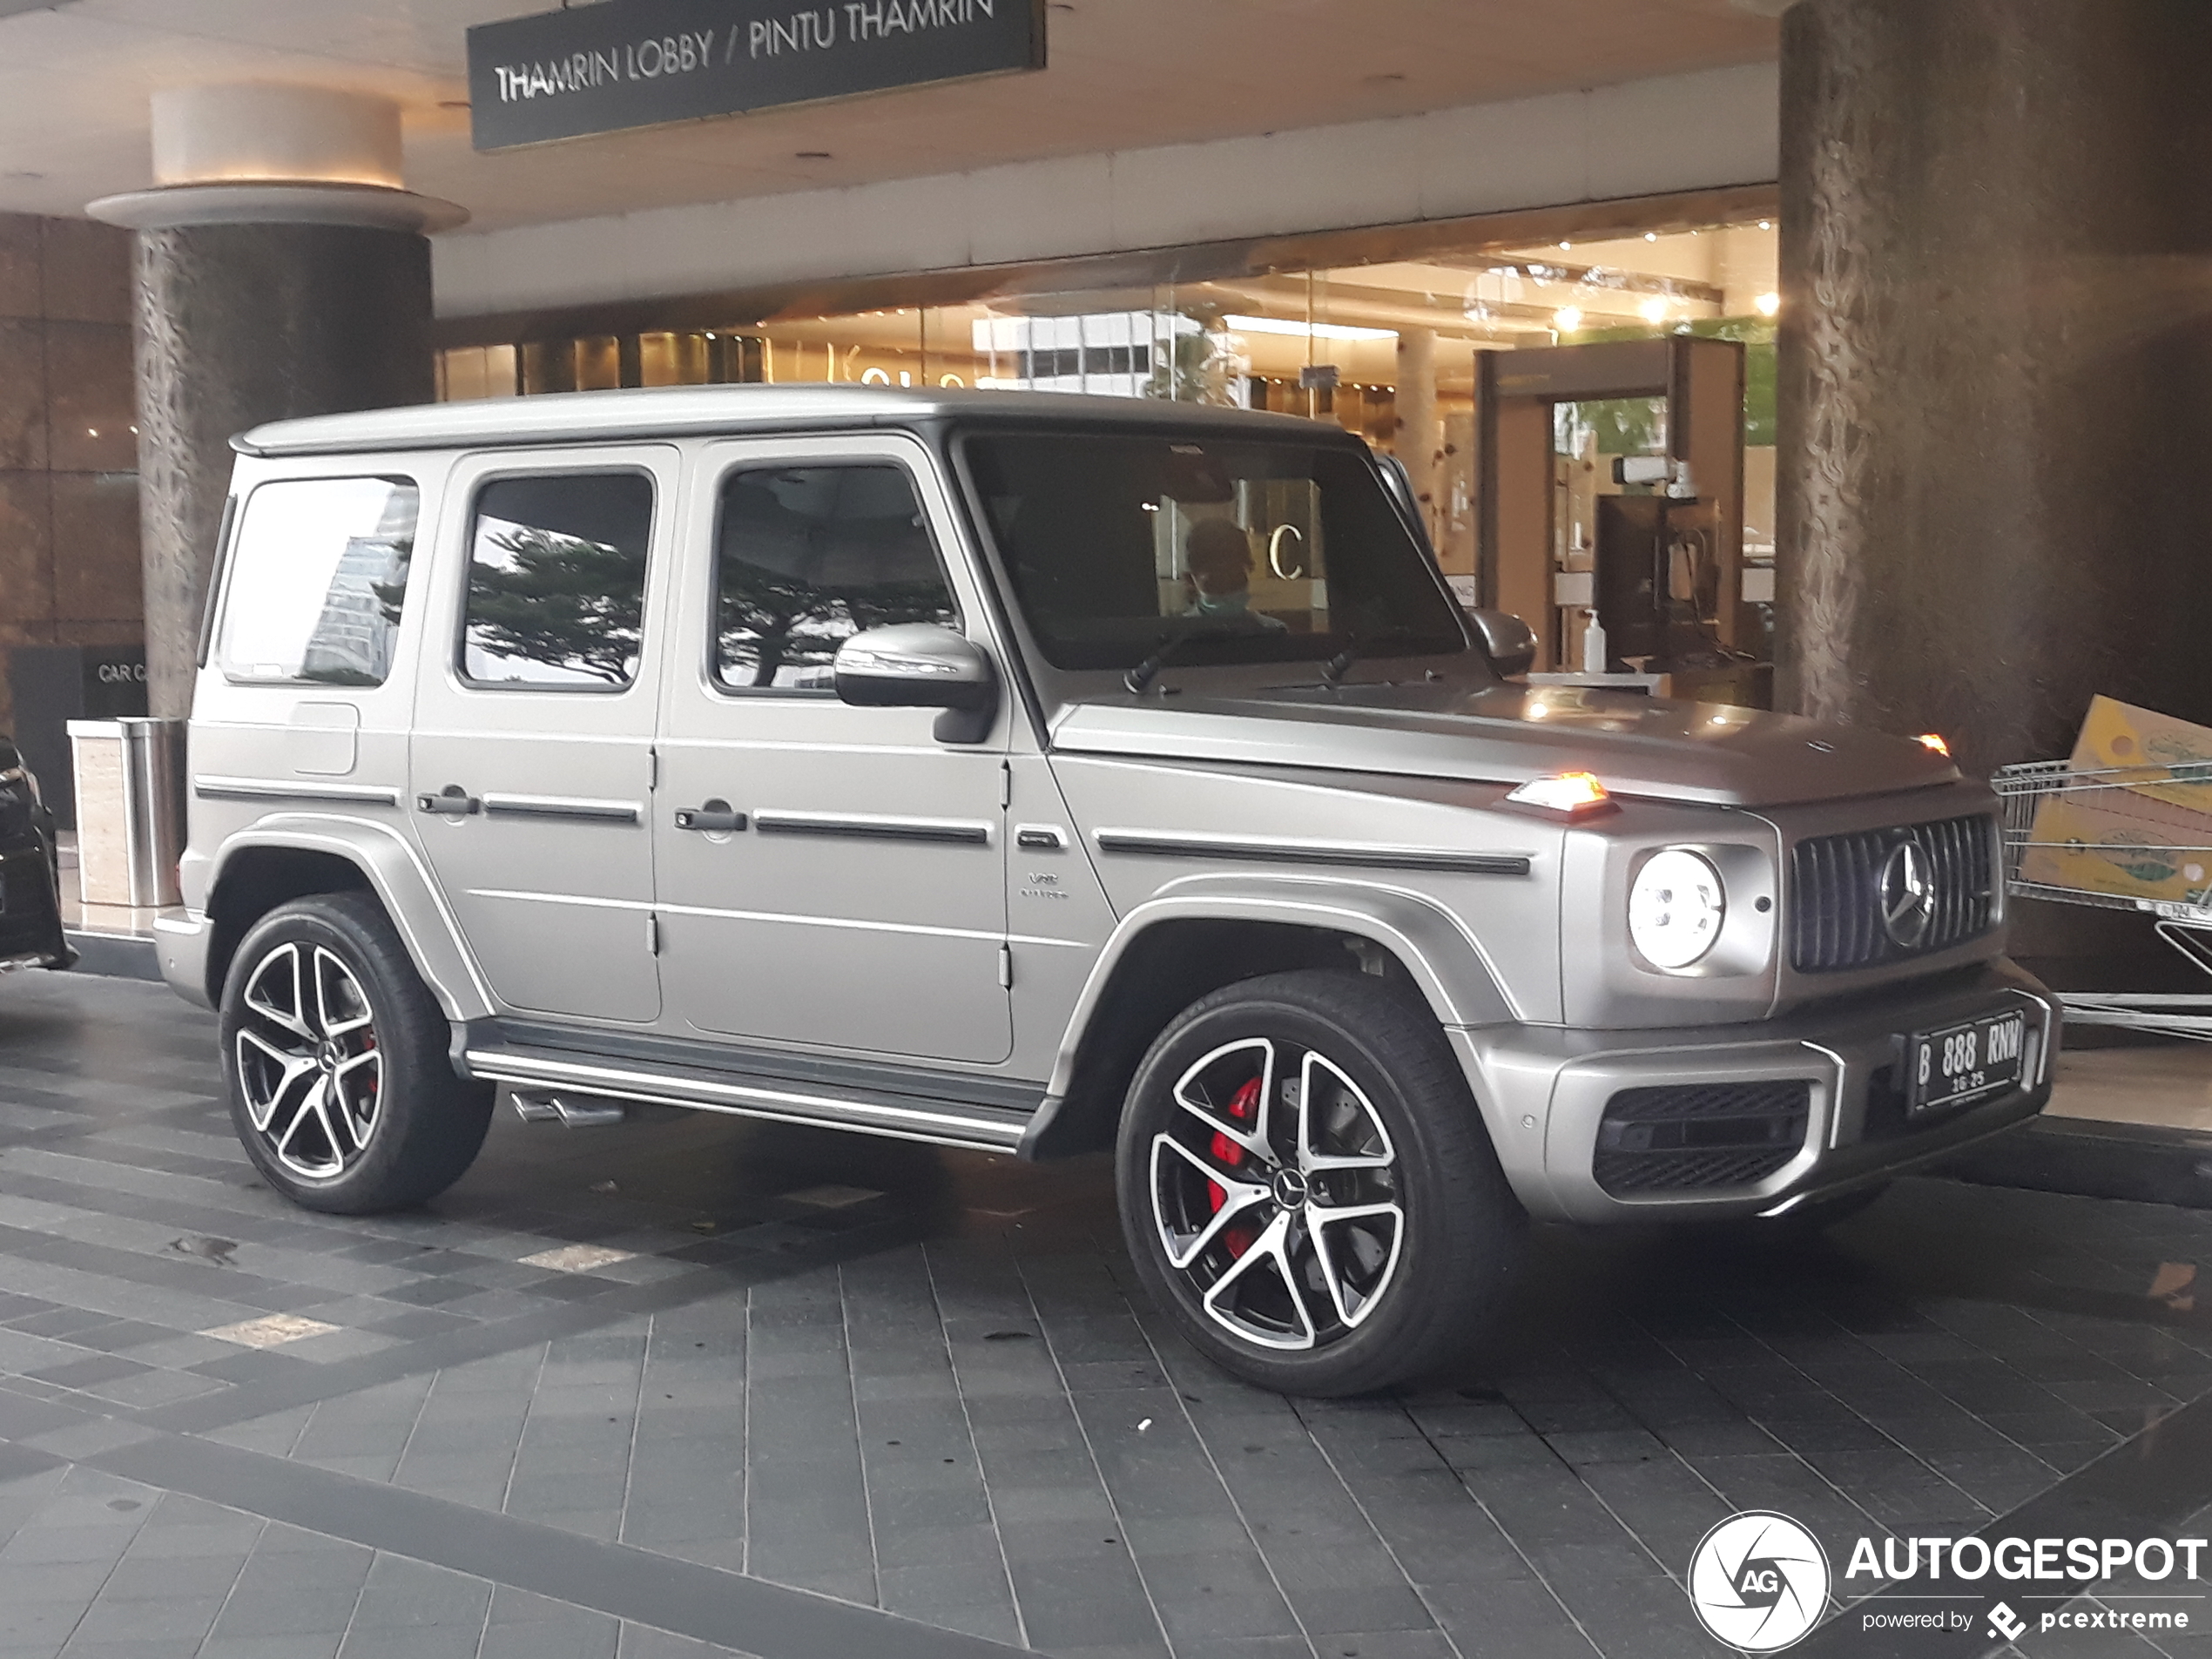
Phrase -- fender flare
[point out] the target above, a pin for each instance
(402, 885)
(1443, 958)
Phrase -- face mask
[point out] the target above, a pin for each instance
(1220, 601)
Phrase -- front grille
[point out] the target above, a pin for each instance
(1690, 1136)
(1838, 901)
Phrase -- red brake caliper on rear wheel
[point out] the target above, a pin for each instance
(1244, 1108)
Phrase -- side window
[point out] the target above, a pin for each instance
(808, 557)
(317, 579)
(556, 582)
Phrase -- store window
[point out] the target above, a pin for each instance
(1382, 333)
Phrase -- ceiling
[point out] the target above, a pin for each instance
(75, 80)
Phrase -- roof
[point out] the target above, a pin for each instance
(691, 411)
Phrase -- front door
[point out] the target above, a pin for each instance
(830, 876)
(532, 756)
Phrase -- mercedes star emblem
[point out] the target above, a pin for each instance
(1908, 896)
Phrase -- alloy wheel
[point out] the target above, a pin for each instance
(1276, 1195)
(307, 1060)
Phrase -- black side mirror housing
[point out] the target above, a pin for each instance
(1509, 642)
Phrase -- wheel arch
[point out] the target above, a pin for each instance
(1206, 933)
(274, 863)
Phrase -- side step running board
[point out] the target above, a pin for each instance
(551, 1083)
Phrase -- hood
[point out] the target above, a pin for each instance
(1508, 734)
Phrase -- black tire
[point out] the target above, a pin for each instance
(322, 1004)
(1422, 1302)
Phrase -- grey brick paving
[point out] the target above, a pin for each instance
(948, 1402)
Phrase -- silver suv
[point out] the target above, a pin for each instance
(1043, 775)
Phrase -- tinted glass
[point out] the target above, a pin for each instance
(810, 556)
(318, 580)
(556, 582)
(1235, 552)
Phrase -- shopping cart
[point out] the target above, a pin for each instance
(2186, 926)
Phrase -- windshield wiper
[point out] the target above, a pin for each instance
(1357, 646)
(1169, 645)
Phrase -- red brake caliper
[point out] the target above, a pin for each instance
(1244, 1108)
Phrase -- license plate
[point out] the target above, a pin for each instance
(1965, 1062)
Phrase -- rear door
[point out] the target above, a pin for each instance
(830, 876)
(531, 767)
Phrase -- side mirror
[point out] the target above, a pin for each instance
(1508, 642)
(920, 665)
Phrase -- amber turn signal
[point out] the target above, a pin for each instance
(1573, 793)
(1934, 740)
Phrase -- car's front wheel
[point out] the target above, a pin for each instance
(336, 1056)
(1308, 1189)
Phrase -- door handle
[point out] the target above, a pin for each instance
(716, 817)
(453, 801)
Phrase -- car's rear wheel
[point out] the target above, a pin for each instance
(1308, 1189)
(336, 1056)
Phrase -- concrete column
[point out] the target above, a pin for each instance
(1420, 441)
(1996, 365)
(282, 270)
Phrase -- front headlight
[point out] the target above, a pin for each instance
(1676, 906)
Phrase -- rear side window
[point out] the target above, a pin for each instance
(318, 581)
(807, 558)
(556, 582)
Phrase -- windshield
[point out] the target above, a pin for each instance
(1230, 552)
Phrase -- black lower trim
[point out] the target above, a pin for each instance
(775, 823)
(1361, 858)
(493, 807)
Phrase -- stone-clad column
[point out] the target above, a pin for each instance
(281, 271)
(1996, 365)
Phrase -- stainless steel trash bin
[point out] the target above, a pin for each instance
(130, 811)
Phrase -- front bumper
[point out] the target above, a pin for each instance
(181, 940)
(1545, 1090)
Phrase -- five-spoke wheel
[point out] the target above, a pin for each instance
(307, 1062)
(341, 1088)
(1274, 1188)
(1308, 1189)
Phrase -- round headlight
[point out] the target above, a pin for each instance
(1675, 909)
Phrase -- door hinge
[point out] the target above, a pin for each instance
(652, 934)
(652, 769)
(1006, 785)
(1006, 967)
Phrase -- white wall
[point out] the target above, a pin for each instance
(1679, 132)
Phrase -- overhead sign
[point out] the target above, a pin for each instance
(628, 63)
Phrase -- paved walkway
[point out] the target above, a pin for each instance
(693, 1386)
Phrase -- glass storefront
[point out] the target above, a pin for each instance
(1389, 347)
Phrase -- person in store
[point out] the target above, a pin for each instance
(1220, 557)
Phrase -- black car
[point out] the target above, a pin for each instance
(31, 907)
